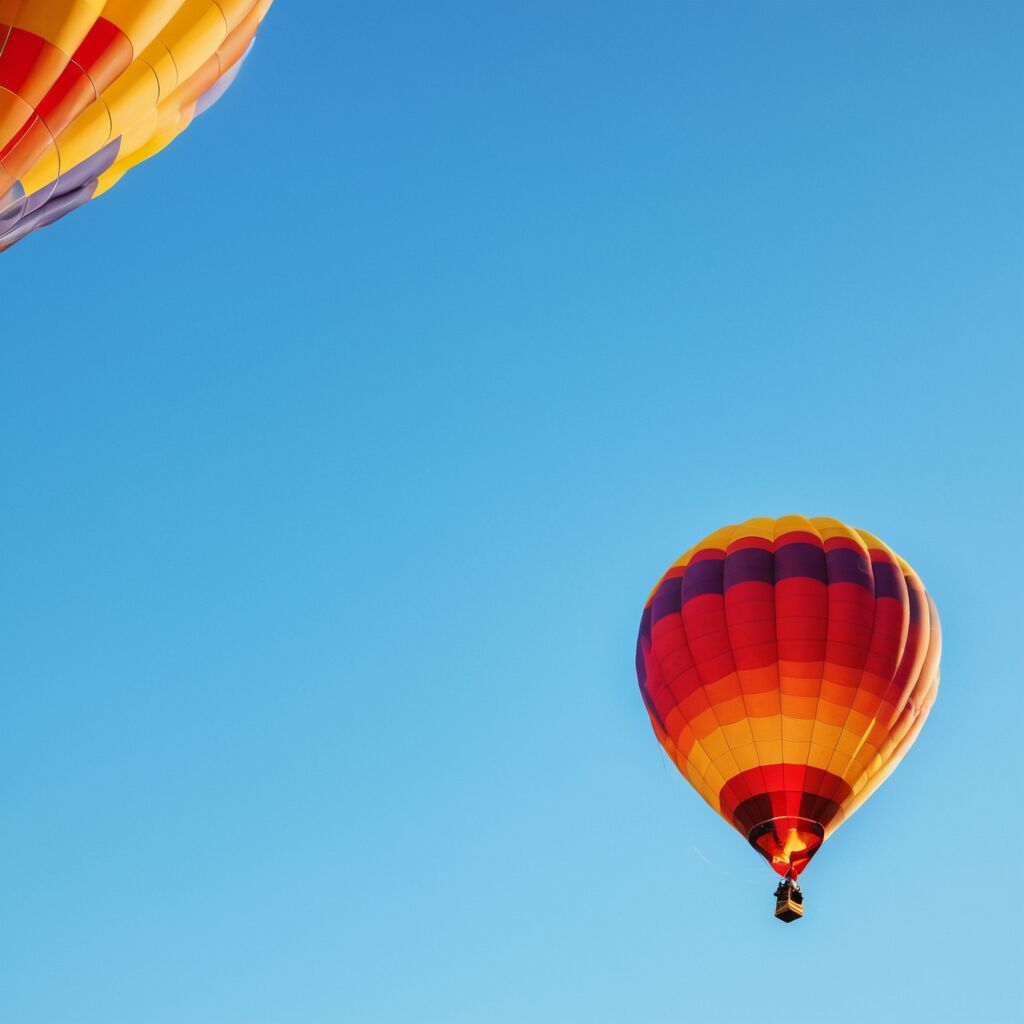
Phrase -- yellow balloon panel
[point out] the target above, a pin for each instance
(89, 88)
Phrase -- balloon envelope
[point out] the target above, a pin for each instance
(787, 666)
(89, 88)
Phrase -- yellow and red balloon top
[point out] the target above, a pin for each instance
(787, 666)
(89, 88)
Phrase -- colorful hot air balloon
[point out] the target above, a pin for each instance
(787, 666)
(89, 88)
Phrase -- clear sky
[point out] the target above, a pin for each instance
(341, 444)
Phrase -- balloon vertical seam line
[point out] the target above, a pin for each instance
(824, 653)
(707, 695)
(863, 669)
(732, 651)
(656, 653)
(865, 772)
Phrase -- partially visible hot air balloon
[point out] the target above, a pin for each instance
(787, 666)
(89, 88)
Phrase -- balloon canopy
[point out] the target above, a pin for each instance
(787, 666)
(89, 88)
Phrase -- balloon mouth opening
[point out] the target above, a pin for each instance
(787, 843)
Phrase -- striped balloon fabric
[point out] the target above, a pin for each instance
(89, 88)
(787, 666)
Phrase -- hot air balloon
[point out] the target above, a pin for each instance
(787, 666)
(89, 88)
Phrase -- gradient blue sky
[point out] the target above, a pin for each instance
(341, 444)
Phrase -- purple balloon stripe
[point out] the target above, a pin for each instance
(888, 580)
(804, 560)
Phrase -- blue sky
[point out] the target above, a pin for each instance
(341, 444)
